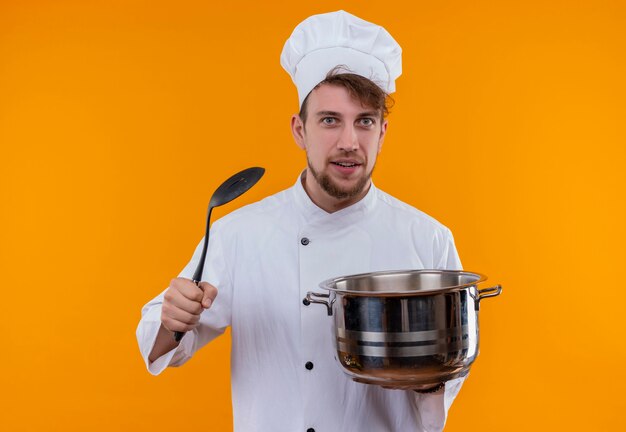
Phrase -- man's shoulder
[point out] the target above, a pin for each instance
(407, 212)
(269, 207)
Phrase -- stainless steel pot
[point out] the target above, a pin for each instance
(412, 329)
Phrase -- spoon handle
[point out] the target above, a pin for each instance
(233, 187)
(197, 275)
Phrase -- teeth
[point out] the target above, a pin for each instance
(346, 165)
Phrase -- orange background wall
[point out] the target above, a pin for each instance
(118, 119)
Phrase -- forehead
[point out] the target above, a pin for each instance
(329, 97)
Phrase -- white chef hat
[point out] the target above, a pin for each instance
(322, 42)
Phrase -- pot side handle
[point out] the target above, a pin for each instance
(310, 299)
(489, 292)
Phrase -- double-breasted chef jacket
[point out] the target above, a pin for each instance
(264, 258)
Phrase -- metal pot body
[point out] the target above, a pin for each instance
(405, 329)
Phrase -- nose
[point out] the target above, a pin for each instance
(348, 140)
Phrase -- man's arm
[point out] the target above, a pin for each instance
(433, 407)
(183, 303)
(163, 344)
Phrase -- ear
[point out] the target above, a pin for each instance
(381, 138)
(297, 130)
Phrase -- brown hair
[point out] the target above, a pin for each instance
(364, 90)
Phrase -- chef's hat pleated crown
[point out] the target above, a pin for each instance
(324, 42)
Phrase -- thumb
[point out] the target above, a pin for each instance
(209, 292)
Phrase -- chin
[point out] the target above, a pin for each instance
(339, 191)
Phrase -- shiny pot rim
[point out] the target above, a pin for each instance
(331, 284)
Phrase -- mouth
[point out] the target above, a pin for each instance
(346, 164)
(346, 167)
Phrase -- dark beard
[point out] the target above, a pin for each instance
(334, 190)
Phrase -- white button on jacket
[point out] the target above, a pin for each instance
(263, 268)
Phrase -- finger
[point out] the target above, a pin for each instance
(187, 288)
(175, 326)
(172, 316)
(173, 297)
(208, 295)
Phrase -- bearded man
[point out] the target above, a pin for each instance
(264, 258)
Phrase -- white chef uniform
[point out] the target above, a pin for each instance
(263, 258)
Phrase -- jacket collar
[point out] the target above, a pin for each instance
(313, 213)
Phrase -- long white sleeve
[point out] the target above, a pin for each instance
(213, 321)
(433, 408)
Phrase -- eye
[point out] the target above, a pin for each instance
(329, 121)
(366, 121)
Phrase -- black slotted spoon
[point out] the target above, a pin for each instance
(232, 188)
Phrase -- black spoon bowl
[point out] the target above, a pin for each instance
(232, 188)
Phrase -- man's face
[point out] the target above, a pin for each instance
(342, 139)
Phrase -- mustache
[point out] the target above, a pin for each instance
(347, 156)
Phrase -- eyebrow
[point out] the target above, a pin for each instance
(327, 114)
(336, 114)
(368, 114)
